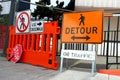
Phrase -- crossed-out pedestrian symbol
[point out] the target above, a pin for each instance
(23, 21)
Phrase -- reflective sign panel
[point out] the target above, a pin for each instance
(83, 27)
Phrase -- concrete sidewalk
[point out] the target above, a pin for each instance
(21, 71)
(80, 75)
(76, 71)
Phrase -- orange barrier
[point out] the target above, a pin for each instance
(39, 48)
(110, 72)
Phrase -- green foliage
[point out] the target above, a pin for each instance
(4, 19)
(0, 8)
(71, 5)
(42, 11)
(56, 15)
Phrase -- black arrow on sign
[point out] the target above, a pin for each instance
(39, 23)
(77, 37)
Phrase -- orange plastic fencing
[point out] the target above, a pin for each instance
(110, 72)
(38, 48)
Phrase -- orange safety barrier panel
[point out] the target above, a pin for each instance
(110, 72)
(38, 48)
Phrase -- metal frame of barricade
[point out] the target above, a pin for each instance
(93, 67)
(38, 48)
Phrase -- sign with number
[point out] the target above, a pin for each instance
(37, 27)
(23, 22)
(83, 27)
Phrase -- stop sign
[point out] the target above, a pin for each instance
(16, 53)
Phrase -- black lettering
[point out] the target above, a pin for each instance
(67, 31)
(34, 24)
(94, 30)
(77, 30)
(82, 30)
(38, 28)
(72, 30)
(88, 30)
(41, 29)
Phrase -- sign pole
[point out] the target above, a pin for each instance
(61, 62)
(15, 14)
(94, 62)
(11, 20)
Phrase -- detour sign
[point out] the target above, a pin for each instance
(85, 27)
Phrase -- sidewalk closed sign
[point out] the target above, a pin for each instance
(85, 27)
(37, 27)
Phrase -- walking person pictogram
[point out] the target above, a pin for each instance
(82, 19)
(22, 21)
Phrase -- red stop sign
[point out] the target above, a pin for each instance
(16, 53)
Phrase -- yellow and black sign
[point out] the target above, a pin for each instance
(83, 27)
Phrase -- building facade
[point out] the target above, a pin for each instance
(97, 4)
(109, 7)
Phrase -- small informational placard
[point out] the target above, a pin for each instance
(37, 27)
(77, 54)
